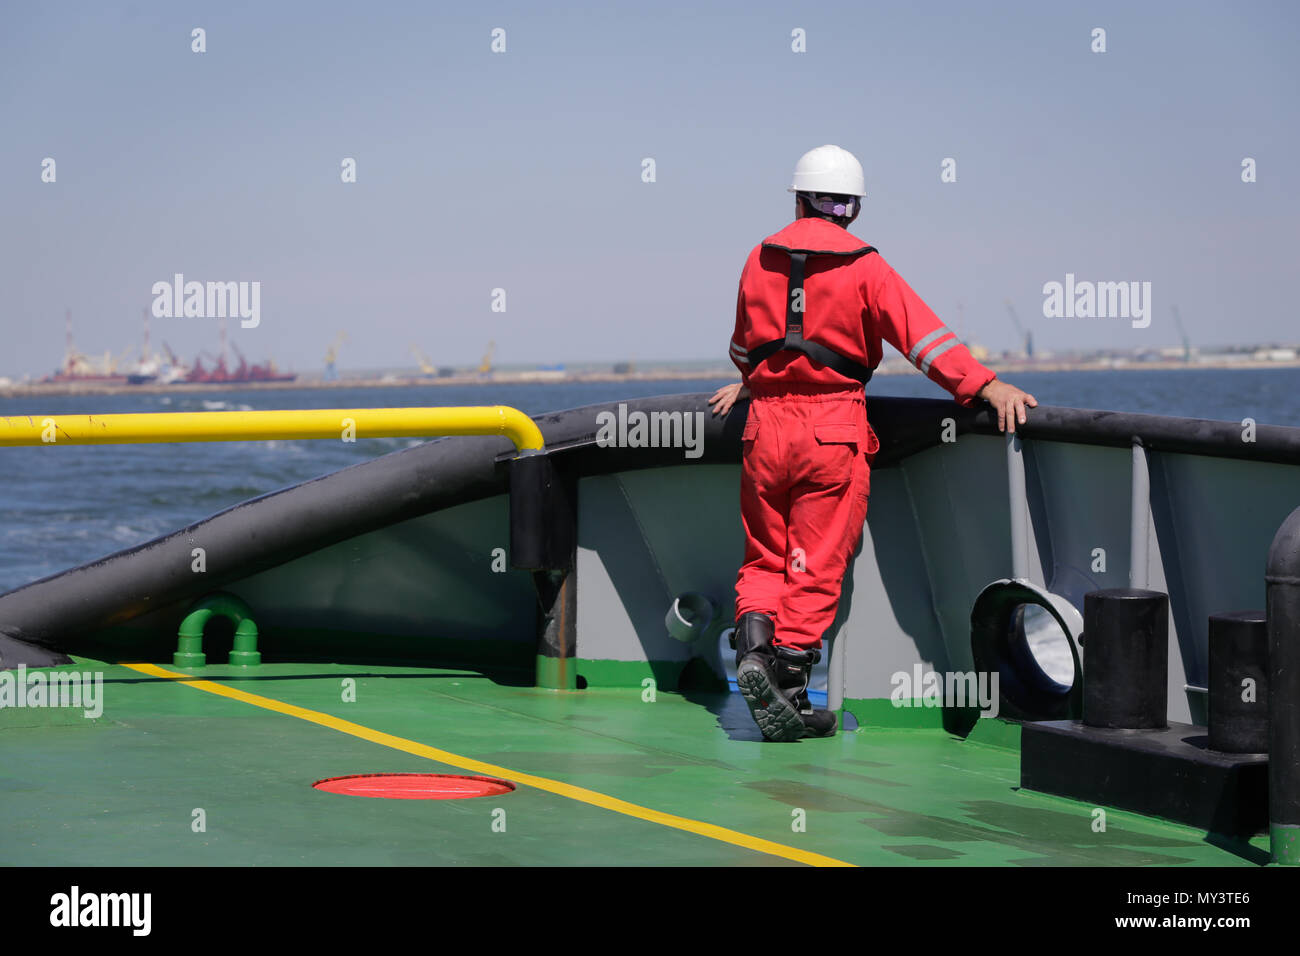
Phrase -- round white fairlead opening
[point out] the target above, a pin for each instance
(1026, 635)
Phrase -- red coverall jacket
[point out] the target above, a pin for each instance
(807, 444)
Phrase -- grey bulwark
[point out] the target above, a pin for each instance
(152, 584)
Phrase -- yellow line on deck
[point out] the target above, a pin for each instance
(581, 794)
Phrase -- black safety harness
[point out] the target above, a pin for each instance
(793, 339)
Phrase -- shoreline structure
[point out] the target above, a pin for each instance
(665, 373)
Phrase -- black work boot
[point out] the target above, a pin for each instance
(793, 670)
(756, 676)
(753, 632)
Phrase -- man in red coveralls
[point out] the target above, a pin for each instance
(814, 304)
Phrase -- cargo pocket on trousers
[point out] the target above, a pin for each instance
(837, 465)
(834, 433)
(750, 432)
(873, 444)
(869, 457)
(850, 436)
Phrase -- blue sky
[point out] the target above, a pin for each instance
(522, 170)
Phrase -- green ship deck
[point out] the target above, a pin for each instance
(604, 777)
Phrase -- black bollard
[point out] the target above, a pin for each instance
(1282, 577)
(1126, 659)
(1238, 684)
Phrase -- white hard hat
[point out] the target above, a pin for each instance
(829, 169)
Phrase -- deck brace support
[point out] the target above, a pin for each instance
(1019, 501)
(1282, 579)
(544, 540)
(1139, 534)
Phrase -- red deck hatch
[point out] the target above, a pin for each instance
(414, 786)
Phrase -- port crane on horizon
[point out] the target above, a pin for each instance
(78, 366)
(1187, 343)
(426, 367)
(1026, 337)
(331, 373)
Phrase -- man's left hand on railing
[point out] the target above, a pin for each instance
(1009, 401)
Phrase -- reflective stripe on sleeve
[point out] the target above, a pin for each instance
(936, 352)
(919, 347)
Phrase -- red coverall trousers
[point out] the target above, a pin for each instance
(805, 480)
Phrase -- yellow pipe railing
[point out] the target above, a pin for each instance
(336, 423)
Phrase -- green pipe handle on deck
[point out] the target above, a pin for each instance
(189, 637)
